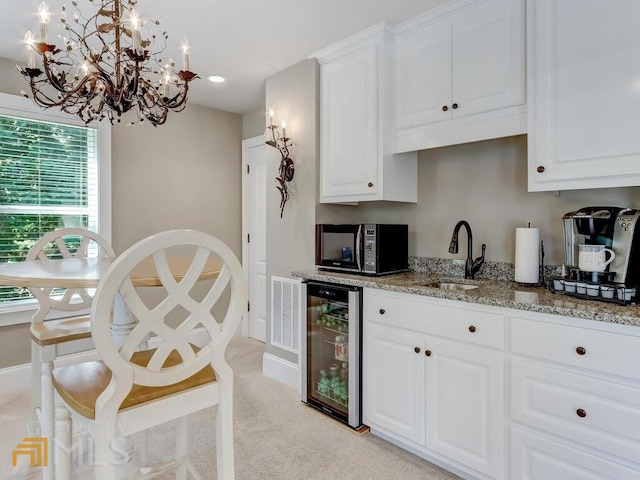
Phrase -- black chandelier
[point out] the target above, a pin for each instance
(105, 67)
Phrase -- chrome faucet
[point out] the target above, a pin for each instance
(471, 266)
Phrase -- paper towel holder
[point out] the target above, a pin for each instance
(541, 282)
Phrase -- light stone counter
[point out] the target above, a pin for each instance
(498, 293)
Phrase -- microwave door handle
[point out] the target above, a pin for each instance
(358, 241)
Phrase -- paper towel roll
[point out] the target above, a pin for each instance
(527, 264)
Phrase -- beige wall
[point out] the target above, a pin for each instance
(484, 183)
(184, 174)
(292, 93)
(253, 123)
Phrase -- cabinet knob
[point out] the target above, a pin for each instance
(445, 108)
(472, 328)
(581, 350)
(416, 349)
(382, 311)
(454, 106)
(370, 184)
(540, 169)
(427, 353)
(581, 413)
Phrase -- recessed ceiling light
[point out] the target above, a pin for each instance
(216, 79)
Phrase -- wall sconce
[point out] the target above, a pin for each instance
(277, 139)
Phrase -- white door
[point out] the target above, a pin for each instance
(254, 191)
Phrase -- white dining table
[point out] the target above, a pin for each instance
(87, 272)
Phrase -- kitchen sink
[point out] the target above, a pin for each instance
(451, 286)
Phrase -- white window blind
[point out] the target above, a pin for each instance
(48, 180)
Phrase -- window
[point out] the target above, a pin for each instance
(51, 176)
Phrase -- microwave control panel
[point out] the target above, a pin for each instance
(369, 248)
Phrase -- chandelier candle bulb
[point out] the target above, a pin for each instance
(135, 30)
(270, 117)
(45, 17)
(284, 130)
(185, 55)
(31, 55)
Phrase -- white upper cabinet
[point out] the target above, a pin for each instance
(460, 75)
(356, 163)
(584, 94)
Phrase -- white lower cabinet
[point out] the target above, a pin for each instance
(575, 397)
(496, 393)
(465, 406)
(538, 457)
(439, 396)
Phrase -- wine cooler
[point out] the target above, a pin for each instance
(331, 351)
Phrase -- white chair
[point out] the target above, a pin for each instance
(132, 390)
(48, 335)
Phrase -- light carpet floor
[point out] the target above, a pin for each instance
(276, 437)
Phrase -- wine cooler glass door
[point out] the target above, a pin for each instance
(332, 351)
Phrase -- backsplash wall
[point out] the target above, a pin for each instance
(484, 183)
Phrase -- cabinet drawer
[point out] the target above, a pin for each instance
(535, 457)
(605, 352)
(418, 313)
(604, 415)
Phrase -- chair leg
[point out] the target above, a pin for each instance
(181, 448)
(63, 444)
(36, 396)
(104, 458)
(47, 418)
(224, 430)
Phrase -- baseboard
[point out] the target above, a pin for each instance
(281, 370)
(17, 379)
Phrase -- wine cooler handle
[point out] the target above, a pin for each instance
(358, 240)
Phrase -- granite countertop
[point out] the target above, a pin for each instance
(498, 293)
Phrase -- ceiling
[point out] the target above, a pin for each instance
(245, 41)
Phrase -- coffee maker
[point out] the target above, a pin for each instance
(614, 227)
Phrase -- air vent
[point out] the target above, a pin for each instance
(285, 313)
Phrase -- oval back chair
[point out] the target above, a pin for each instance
(131, 389)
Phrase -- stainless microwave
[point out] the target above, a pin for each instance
(372, 248)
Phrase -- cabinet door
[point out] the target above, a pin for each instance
(584, 114)
(488, 58)
(393, 381)
(349, 125)
(465, 405)
(536, 457)
(423, 76)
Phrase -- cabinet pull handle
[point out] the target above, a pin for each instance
(540, 169)
(427, 353)
(416, 349)
(454, 106)
(370, 184)
(581, 350)
(472, 328)
(581, 413)
(445, 108)
(382, 311)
